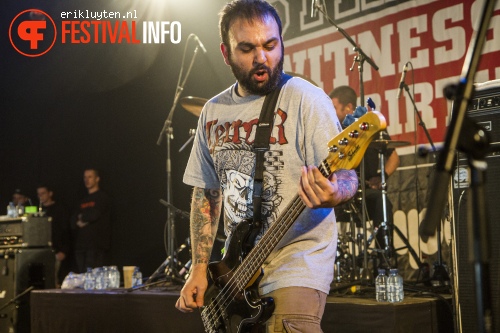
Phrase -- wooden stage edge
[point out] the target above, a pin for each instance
(151, 311)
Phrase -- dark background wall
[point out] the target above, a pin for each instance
(104, 105)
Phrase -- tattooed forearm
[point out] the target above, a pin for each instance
(205, 212)
(347, 181)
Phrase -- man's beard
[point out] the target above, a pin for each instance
(247, 82)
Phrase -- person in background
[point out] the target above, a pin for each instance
(20, 198)
(298, 273)
(344, 100)
(91, 225)
(61, 237)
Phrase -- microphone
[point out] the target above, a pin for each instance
(314, 9)
(402, 81)
(200, 43)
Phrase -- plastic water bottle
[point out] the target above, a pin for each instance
(106, 277)
(136, 277)
(395, 292)
(381, 286)
(12, 210)
(114, 277)
(89, 282)
(99, 278)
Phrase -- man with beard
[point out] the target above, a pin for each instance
(297, 274)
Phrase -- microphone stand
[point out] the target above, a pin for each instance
(360, 58)
(440, 276)
(476, 146)
(167, 131)
(13, 300)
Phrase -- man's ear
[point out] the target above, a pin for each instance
(225, 53)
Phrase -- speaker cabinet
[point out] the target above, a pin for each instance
(21, 269)
(484, 110)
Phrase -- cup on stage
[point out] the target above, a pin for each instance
(128, 271)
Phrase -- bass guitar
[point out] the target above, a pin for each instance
(232, 302)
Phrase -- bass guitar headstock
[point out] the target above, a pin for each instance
(346, 150)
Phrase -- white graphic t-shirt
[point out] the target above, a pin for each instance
(222, 157)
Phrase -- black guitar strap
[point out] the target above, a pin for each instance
(261, 145)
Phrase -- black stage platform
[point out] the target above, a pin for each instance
(151, 311)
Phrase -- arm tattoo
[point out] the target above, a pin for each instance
(347, 181)
(205, 212)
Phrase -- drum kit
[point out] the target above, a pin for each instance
(347, 266)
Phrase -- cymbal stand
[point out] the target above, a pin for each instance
(354, 269)
(384, 225)
(167, 131)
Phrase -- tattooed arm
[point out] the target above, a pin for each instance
(317, 191)
(205, 212)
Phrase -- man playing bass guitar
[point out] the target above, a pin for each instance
(298, 272)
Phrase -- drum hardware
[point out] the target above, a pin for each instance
(354, 276)
(382, 145)
(193, 105)
(192, 133)
(343, 261)
(389, 251)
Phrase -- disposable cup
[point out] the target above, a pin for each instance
(127, 276)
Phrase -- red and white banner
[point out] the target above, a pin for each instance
(434, 36)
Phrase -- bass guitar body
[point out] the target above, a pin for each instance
(234, 307)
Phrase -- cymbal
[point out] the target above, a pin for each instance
(302, 77)
(193, 104)
(386, 144)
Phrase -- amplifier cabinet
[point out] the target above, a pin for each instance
(484, 110)
(21, 269)
(29, 231)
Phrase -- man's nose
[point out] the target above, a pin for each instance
(260, 56)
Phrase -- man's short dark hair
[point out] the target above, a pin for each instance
(345, 95)
(96, 171)
(244, 9)
(45, 186)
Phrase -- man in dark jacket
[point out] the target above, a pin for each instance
(92, 225)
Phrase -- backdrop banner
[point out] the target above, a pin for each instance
(433, 36)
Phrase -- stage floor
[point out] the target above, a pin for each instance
(153, 311)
